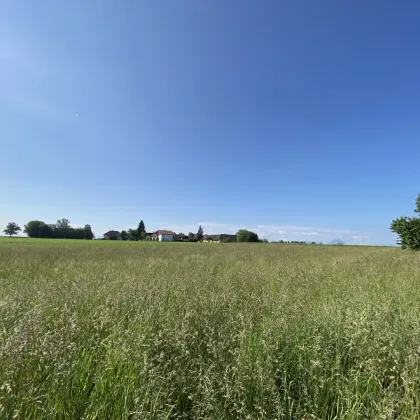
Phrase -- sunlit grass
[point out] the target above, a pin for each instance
(221, 331)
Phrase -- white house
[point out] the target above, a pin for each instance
(165, 235)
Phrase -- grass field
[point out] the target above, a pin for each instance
(108, 330)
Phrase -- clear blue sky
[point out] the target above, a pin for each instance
(298, 119)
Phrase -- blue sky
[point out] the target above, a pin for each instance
(297, 119)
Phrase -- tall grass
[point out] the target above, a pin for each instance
(225, 331)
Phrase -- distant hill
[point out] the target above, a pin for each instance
(336, 242)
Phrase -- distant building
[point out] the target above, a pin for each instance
(112, 235)
(181, 237)
(224, 237)
(165, 235)
(161, 236)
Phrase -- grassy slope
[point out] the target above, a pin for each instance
(116, 330)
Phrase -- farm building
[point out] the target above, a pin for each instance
(165, 235)
(112, 235)
(161, 236)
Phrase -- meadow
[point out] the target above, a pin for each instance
(113, 330)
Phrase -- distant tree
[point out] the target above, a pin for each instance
(124, 235)
(408, 229)
(265, 241)
(244, 235)
(38, 229)
(76, 233)
(88, 232)
(200, 234)
(191, 235)
(47, 231)
(133, 235)
(62, 228)
(12, 228)
(141, 230)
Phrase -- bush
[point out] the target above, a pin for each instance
(244, 235)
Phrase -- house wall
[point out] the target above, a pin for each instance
(166, 238)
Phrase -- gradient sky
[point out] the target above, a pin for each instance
(297, 119)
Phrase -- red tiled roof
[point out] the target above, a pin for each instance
(165, 232)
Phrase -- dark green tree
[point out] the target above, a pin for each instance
(38, 229)
(244, 235)
(124, 235)
(200, 234)
(47, 231)
(133, 235)
(12, 228)
(62, 228)
(141, 230)
(75, 233)
(191, 235)
(88, 232)
(408, 230)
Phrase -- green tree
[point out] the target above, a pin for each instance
(244, 235)
(141, 230)
(88, 234)
(408, 230)
(200, 234)
(75, 233)
(124, 235)
(191, 235)
(62, 228)
(47, 231)
(38, 229)
(12, 228)
(133, 235)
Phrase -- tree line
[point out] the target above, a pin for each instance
(60, 230)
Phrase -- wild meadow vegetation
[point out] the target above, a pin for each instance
(109, 330)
